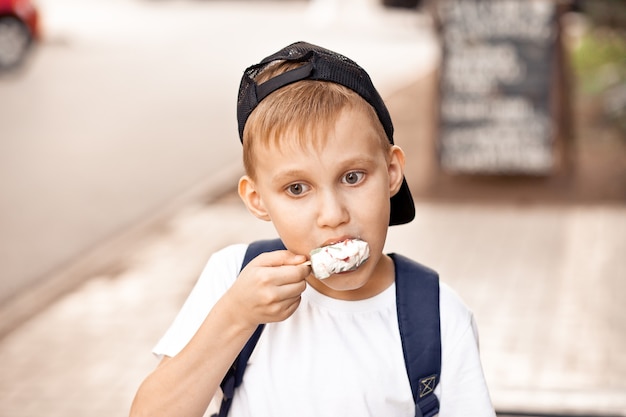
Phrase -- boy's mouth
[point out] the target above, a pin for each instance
(336, 241)
(342, 256)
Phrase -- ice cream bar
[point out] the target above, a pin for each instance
(343, 256)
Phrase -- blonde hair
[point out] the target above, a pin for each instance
(301, 113)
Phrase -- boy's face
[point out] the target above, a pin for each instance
(317, 196)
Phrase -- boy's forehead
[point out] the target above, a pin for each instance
(353, 130)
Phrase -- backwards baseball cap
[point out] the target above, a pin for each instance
(322, 65)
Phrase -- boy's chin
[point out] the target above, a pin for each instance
(346, 281)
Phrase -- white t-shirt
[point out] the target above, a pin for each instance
(335, 357)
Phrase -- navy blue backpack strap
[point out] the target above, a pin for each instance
(417, 298)
(234, 376)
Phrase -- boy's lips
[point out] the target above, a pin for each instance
(336, 240)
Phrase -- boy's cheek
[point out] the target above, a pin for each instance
(296, 230)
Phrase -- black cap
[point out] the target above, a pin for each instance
(323, 65)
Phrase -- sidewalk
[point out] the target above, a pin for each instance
(546, 285)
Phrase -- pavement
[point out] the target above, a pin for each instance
(544, 277)
(546, 285)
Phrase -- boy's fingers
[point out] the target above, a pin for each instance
(292, 306)
(280, 276)
(279, 258)
(281, 267)
(292, 290)
(300, 271)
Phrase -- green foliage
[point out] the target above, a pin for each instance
(599, 60)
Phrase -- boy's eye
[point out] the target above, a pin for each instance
(296, 189)
(353, 177)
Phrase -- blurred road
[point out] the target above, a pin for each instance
(128, 104)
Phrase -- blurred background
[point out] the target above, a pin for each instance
(119, 158)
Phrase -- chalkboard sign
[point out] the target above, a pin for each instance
(498, 58)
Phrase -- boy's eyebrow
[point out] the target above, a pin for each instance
(357, 161)
(288, 175)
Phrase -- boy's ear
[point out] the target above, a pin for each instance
(395, 169)
(251, 198)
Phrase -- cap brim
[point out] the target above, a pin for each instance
(402, 206)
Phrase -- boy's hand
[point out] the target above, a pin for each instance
(269, 287)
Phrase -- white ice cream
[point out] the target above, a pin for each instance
(343, 256)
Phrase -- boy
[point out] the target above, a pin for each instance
(322, 167)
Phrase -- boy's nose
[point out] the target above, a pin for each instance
(332, 210)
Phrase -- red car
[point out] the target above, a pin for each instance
(19, 27)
